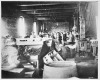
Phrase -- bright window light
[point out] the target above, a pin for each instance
(97, 26)
(21, 27)
(34, 28)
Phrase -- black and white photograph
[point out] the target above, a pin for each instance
(49, 39)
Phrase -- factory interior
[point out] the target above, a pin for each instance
(49, 39)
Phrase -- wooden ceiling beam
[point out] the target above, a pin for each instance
(49, 13)
(49, 9)
(46, 3)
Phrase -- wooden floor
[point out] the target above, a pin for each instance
(87, 67)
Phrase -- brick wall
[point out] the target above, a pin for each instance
(11, 26)
(57, 26)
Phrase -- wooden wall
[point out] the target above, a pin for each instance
(89, 11)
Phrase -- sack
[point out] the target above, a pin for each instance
(9, 57)
(47, 59)
(52, 56)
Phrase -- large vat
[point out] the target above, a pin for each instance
(60, 69)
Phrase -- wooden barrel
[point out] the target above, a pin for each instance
(60, 69)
